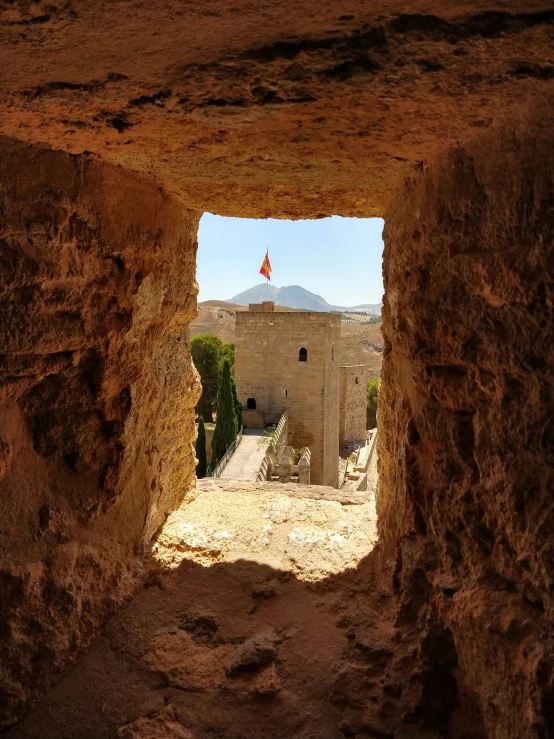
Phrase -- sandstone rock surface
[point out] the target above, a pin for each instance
(312, 537)
(239, 648)
(270, 108)
(465, 511)
(259, 650)
(93, 339)
(120, 124)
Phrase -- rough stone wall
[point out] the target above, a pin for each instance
(353, 403)
(267, 369)
(331, 404)
(96, 395)
(271, 108)
(466, 434)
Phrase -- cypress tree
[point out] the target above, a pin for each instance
(225, 431)
(205, 350)
(236, 403)
(201, 454)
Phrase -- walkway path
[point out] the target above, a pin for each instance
(248, 456)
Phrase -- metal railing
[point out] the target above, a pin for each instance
(352, 447)
(218, 469)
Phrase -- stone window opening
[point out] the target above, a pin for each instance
(448, 483)
(286, 393)
(303, 355)
(356, 381)
(251, 404)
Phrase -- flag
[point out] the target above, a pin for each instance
(266, 267)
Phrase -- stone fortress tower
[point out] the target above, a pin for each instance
(352, 424)
(290, 360)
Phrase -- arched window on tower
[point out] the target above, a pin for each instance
(303, 355)
(251, 404)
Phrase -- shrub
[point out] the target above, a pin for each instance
(208, 354)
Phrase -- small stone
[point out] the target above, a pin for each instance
(254, 653)
(265, 591)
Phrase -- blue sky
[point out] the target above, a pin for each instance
(337, 258)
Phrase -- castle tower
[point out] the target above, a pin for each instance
(352, 420)
(290, 360)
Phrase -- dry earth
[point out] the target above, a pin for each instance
(230, 567)
(214, 320)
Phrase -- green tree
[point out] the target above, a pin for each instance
(225, 431)
(201, 454)
(237, 404)
(372, 396)
(205, 350)
(227, 351)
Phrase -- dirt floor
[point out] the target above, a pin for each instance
(241, 631)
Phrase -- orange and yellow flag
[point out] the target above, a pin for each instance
(266, 267)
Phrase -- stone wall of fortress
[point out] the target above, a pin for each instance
(268, 370)
(352, 424)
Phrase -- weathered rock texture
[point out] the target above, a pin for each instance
(466, 413)
(270, 108)
(285, 109)
(241, 633)
(97, 389)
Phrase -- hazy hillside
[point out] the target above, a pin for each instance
(362, 345)
(214, 320)
(218, 317)
(295, 296)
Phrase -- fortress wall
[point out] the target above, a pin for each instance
(352, 425)
(466, 409)
(96, 293)
(332, 403)
(267, 369)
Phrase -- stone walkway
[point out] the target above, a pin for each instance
(261, 522)
(247, 458)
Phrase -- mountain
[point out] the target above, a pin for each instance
(373, 308)
(297, 297)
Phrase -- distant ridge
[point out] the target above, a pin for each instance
(297, 297)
